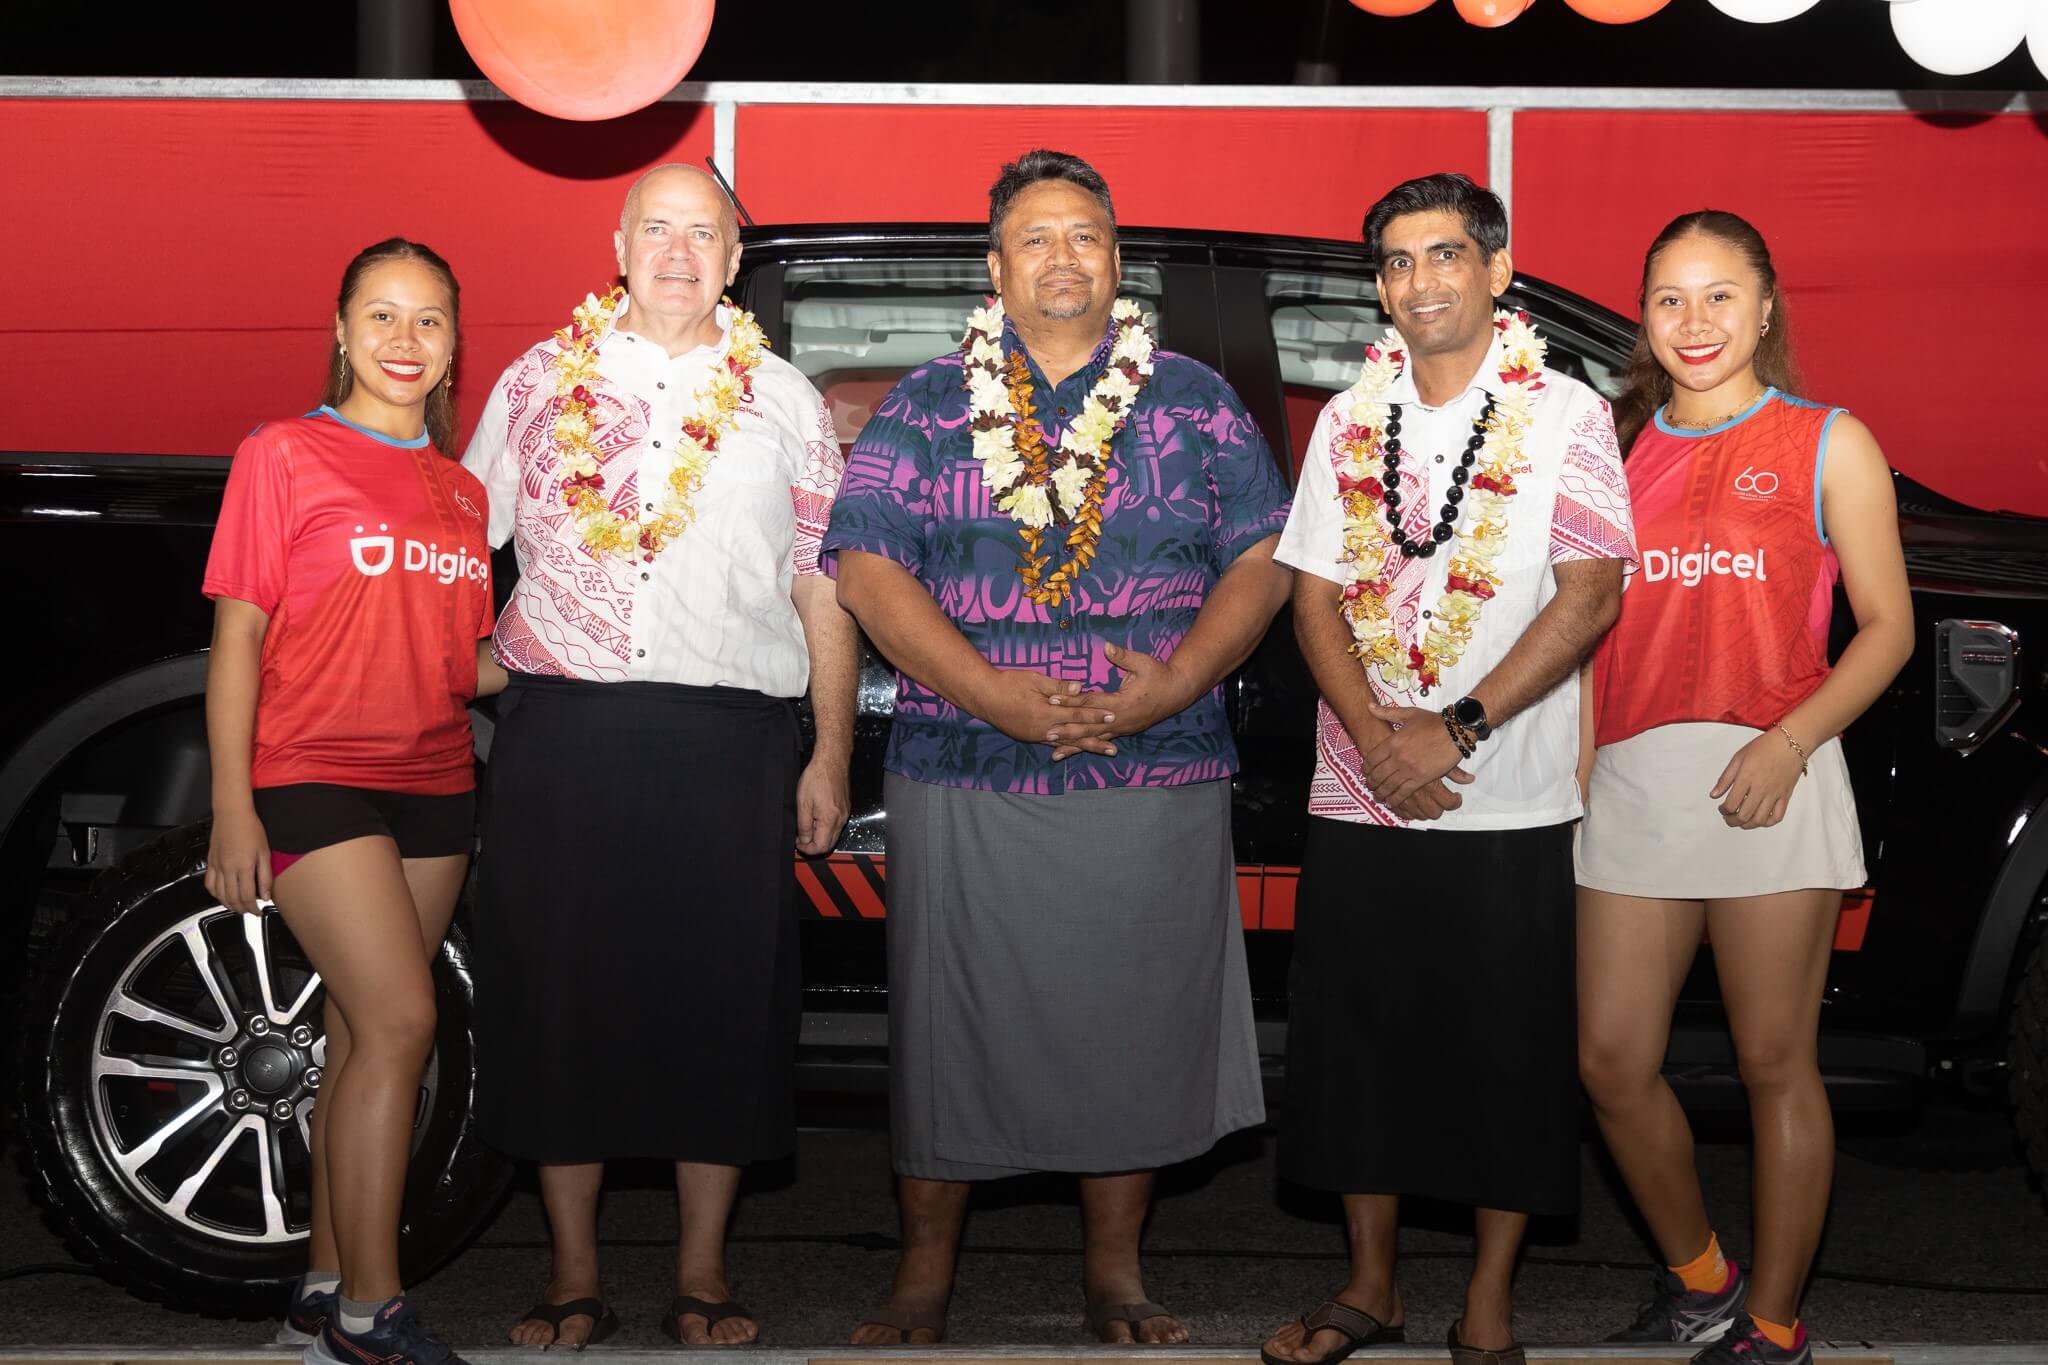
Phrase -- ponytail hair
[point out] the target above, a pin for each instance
(1648, 385)
(341, 380)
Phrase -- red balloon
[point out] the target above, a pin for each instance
(1392, 9)
(584, 59)
(1491, 13)
(1617, 11)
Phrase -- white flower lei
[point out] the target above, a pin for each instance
(1034, 487)
(1370, 558)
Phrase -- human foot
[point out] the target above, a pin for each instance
(1334, 1329)
(1136, 1322)
(893, 1326)
(552, 1323)
(704, 1315)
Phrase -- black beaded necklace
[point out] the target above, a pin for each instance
(1447, 515)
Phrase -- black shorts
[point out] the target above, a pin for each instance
(305, 816)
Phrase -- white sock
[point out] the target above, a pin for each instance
(319, 1282)
(358, 1316)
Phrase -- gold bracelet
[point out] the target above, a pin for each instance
(1797, 747)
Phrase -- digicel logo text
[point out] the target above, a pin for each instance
(1693, 568)
(374, 555)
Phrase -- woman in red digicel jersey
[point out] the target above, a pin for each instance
(1717, 798)
(351, 582)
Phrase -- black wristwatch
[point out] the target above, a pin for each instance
(1470, 712)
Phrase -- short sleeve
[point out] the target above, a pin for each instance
(1251, 493)
(1590, 517)
(493, 459)
(253, 536)
(816, 486)
(1314, 537)
(885, 497)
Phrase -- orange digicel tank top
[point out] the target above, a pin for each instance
(1727, 620)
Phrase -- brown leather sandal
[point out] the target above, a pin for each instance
(1461, 1354)
(1357, 1327)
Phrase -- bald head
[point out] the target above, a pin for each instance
(678, 246)
(678, 175)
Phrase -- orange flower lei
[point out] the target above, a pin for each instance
(604, 531)
(1035, 486)
(1370, 560)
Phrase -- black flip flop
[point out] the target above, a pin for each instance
(603, 1321)
(683, 1305)
(1357, 1328)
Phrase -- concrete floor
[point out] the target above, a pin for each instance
(1944, 1204)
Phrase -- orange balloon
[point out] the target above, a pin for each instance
(1491, 13)
(584, 59)
(1392, 9)
(1617, 11)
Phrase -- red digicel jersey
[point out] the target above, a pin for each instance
(1727, 620)
(369, 556)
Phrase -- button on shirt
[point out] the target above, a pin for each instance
(1190, 487)
(713, 608)
(1571, 502)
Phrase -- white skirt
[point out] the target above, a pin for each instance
(1650, 828)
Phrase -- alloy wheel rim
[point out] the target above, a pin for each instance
(207, 1055)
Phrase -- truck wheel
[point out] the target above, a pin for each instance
(2027, 1058)
(170, 1061)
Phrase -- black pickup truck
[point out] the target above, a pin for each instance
(170, 1050)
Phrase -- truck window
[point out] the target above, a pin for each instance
(1323, 322)
(856, 327)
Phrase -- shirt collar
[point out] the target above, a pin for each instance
(1402, 390)
(722, 315)
(1097, 361)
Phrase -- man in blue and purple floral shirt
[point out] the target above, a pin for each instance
(1063, 539)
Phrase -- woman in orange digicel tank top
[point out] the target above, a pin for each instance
(351, 582)
(1716, 793)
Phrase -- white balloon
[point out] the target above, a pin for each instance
(1956, 37)
(2037, 36)
(1762, 11)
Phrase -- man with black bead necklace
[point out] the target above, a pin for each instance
(1461, 530)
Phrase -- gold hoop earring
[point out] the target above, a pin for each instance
(1766, 331)
(344, 366)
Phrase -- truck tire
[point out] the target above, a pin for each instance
(2027, 1059)
(170, 1056)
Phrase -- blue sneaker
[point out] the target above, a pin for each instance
(306, 1316)
(396, 1337)
(1676, 1313)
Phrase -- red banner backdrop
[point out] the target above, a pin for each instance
(169, 266)
(1909, 247)
(1309, 172)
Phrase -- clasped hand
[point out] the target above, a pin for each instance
(1030, 706)
(1406, 770)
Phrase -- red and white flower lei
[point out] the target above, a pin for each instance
(1370, 559)
(668, 513)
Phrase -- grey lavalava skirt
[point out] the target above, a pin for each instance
(1067, 987)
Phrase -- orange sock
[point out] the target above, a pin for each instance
(1707, 1272)
(1784, 1338)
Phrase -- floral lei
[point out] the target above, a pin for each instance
(1370, 559)
(604, 531)
(1034, 486)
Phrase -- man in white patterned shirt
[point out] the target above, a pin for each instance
(665, 479)
(1460, 533)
